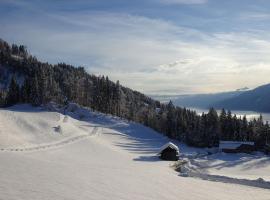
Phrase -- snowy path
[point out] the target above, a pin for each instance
(54, 145)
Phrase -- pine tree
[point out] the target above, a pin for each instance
(13, 95)
(171, 129)
(25, 91)
(222, 121)
(244, 129)
(34, 92)
(22, 50)
(212, 128)
(229, 126)
(2, 98)
(42, 87)
(15, 49)
(118, 98)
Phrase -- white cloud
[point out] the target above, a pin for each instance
(254, 16)
(149, 55)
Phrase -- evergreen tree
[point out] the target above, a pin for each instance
(13, 95)
(2, 98)
(118, 98)
(25, 91)
(34, 92)
(212, 128)
(223, 121)
(244, 129)
(170, 120)
(229, 126)
(15, 49)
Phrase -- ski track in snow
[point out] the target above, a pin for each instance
(54, 145)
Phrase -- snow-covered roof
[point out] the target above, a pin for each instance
(232, 144)
(169, 144)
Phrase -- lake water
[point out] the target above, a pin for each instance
(249, 114)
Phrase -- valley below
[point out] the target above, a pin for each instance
(250, 115)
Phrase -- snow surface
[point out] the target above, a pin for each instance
(102, 157)
(26, 127)
(242, 166)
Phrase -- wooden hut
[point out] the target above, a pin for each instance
(169, 151)
(236, 147)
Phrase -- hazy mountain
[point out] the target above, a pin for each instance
(198, 100)
(255, 100)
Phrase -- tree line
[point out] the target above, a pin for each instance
(24, 79)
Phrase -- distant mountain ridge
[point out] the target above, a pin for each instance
(257, 99)
(205, 100)
(198, 100)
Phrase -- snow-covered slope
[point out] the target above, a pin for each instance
(98, 157)
(242, 166)
(24, 126)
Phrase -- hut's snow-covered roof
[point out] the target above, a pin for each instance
(169, 144)
(232, 144)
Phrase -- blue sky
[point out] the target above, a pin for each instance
(154, 46)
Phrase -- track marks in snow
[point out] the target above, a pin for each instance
(225, 179)
(188, 170)
(67, 141)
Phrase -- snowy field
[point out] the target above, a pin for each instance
(47, 155)
(236, 165)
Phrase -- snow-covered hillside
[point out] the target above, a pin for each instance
(24, 126)
(87, 155)
(242, 166)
